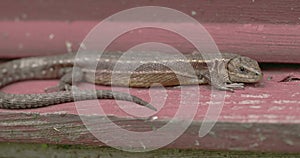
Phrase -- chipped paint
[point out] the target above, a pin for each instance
(288, 142)
(261, 137)
(275, 108)
(253, 145)
(296, 94)
(270, 116)
(197, 143)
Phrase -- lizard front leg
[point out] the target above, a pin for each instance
(217, 76)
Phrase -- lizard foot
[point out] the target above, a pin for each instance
(235, 85)
(58, 88)
(231, 87)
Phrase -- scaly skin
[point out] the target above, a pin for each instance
(237, 70)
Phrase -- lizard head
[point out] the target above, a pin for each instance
(244, 69)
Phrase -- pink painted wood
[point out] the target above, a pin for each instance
(263, 117)
(267, 31)
(263, 42)
(227, 11)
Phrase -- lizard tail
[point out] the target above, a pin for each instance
(24, 101)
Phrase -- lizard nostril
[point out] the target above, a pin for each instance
(257, 74)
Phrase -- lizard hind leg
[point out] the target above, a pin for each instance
(69, 77)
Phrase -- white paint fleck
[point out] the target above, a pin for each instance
(193, 13)
(68, 46)
(56, 129)
(214, 103)
(154, 118)
(251, 102)
(255, 107)
(237, 107)
(51, 36)
(275, 108)
(255, 96)
(286, 102)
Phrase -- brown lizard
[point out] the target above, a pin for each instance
(238, 70)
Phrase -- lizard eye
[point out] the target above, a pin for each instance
(242, 69)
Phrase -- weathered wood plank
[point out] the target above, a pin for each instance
(263, 42)
(267, 31)
(69, 151)
(264, 117)
(68, 129)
